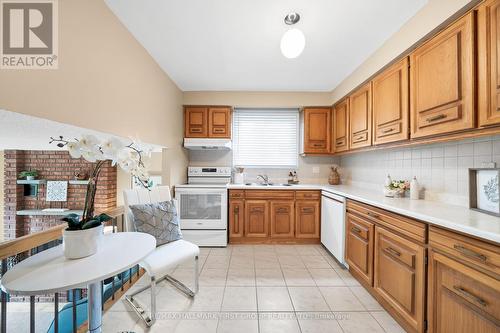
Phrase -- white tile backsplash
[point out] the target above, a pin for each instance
(441, 169)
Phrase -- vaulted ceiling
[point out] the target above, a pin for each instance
(235, 44)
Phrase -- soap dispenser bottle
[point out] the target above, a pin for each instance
(414, 189)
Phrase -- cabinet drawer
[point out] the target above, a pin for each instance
(481, 254)
(307, 195)
(269, 194)
(396, 250)
(471, 290)
(237, 194)
(401, 224)
(359, 229)
(389, 130)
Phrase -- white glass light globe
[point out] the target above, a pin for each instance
(292, 43)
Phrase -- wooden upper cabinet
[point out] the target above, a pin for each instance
(360, 117)
(399, 276)
(219, 122)
(317, 122)
(256, 218)
(391, 104)
(307, 219)
(442, 81)
(282, 219)
(207, 122)
(196, 122)
(488, 19)
(340, 126)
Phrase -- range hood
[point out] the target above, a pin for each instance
(207, 144)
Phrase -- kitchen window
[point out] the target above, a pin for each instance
(265, 138)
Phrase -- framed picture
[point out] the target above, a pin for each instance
(484, 190)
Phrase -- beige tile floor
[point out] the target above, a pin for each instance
(261, 288)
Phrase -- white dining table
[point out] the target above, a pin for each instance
(49, 271)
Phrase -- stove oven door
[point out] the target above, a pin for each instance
(202, 208)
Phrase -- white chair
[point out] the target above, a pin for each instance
(165, 257)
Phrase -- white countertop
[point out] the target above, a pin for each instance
(452, 217)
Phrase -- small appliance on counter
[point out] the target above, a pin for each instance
(239, 175)
(202, 204)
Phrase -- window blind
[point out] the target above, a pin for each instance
(265, 138)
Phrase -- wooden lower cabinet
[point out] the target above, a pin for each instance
(308, 219)
(236, 218)
(359, 247)
(461, 299)
(399, 276)
(282, 219)
(274, 216)
(256, 218)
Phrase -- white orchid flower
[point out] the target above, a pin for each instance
(74, 149)
(89, 156)
(89, 142)
(110, 149)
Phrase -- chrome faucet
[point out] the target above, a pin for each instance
(264, 178)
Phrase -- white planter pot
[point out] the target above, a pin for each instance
(82, 243)
(30, 177)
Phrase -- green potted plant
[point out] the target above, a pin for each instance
(84, 233)
(28, 174)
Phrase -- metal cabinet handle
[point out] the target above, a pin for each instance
(236, 220)
(257, 210)
(319, 145)
(470, 253)
(282, 210)
(307, 210)
(340, 142)
(373, 215)
(388, 130)
(219, 130)
(195, 130)
(393, 251)
(356, 230)
(438, 117)
(358, 137)
(470, 295)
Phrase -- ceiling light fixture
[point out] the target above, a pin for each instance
(293, 41)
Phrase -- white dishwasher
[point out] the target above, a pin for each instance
(333, 224)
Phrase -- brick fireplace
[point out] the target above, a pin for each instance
(51, 165)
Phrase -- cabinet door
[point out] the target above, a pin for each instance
(488, 19)
(391, 105)
(236, 218)
(196, 122)
(461, 299)
(359, 247)
(282, 219)
(360, 118)
(256, 218)
(219, 122)
(399, 276)
(308, 219)
(442, 82)
(340, 126)
(317, 124)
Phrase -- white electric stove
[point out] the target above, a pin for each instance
(202, 205)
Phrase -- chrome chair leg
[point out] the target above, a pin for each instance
(150, 319)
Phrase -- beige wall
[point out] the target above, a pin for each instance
(106, 81)
(1, 193)
(257, 99)
(427, 19)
